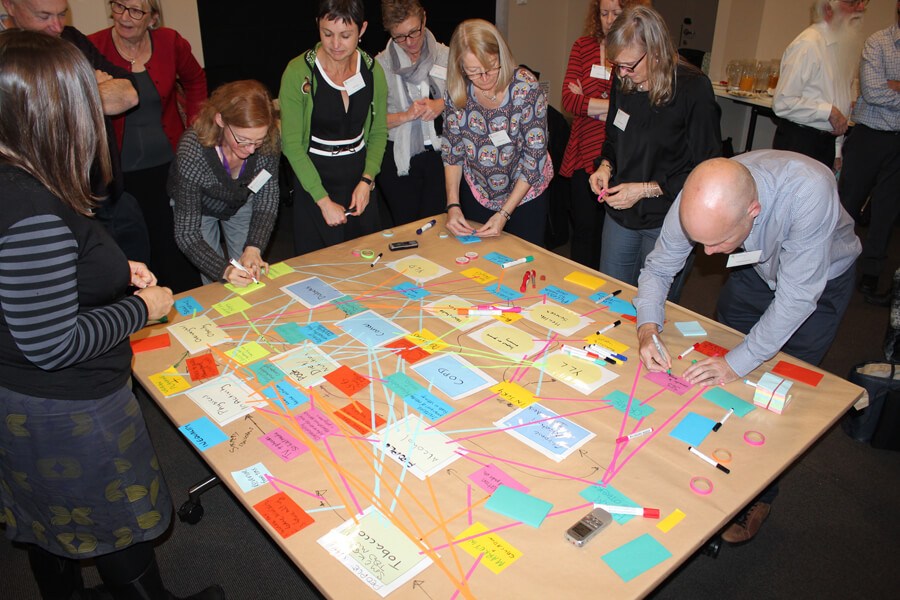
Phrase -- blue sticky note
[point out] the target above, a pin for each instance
(318, 333)
(371, 329)
(413, 292)
(402, 384)
(727, 400)
(312, 292)
(622, 307)
(609, 495)
(636, 557)
(519, 506)
(619, 401)
(559, 295)
(690, 328)
(692, 429)
(450, 375)
(558, 436)
(503, 292)
(431, 407)
(291, 395)
(187, 306)
(266, 372)
(350, 308)
(203, 433)
(468, 239)
(291, 333)
(497, 258)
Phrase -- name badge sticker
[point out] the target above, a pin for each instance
(439, 71)
(743, 258)
(621, 120)
(600, 72)
(499, 138)
(260, 180)
(354, 84)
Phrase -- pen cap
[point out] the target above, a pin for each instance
(651, 513)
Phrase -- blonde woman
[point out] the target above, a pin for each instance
(494, 145)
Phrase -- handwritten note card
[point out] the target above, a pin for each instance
(411, 291)
(490, 477)
(446, 310)
(306, 365)
(291, 397)
(599, 494)
(224, 399)
(503, 292)
(232, 306)
(556, 318)
(514, 393)
(198, 333)
(266, 372)
(202, 367)
(284, 445)
(544, 430)
(317, 333)
(187, 306)
(506, 340)
(348, 381)
(408, 351)
(498, 553)
(243, 291)
(283, 514)
(311, 292)
(619, 401)
(360, 418)
(478, 275)
(248, 352)
(417, 268)
(427, 341)
(252, 477)
(169, 382)
(423, 453)
(371, 329)
(559, 295)
(497, 258)
(348, 306)
(670, 382)
(581, 374)
(316, 425)
(430, 406)
(203, 434)
(402, 384)
(291, 333)
(453, 375)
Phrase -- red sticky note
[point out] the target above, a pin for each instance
(798, 373)
(347, 380)
(283, 514)
(202, 367)
(151, 343)
(628, 318)
(710, 349)
(359, 417)
(407, 350)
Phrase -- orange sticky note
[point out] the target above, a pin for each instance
(407, 350)
(283, 514)
(151, 343)
(710, 349)
(202, 367)
(359, 417)
(347, 380)
(797, 373)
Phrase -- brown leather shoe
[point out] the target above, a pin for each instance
(747, 524)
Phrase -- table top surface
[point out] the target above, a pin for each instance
(763, 99)
(322, 463)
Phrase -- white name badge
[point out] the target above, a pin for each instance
(599, 71)
(260, 180)
(743, 258)
(499, 138)
(354, 84)
(438, 71)
(621, 120)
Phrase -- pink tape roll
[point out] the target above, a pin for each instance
(462, 260)
(754, 438)
(704, 482)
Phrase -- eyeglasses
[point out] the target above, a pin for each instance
(855, 3)
(477, 74)
(412, 35)
(135, 13)
(628, 68)
(242, 142)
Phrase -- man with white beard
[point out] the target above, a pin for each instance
(814, 93)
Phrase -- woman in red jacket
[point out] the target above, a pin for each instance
(159, 58)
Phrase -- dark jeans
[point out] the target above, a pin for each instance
(529, 220)
(587, 221)
(814, 143)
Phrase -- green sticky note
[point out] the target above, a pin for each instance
(279, 269)
(727, 400)
(248, 353)
(232, 306)
(519, 506)
(636, 557)
(291, 333)
(266, 372)
(243, 291)
(350, 308)
(402, 384)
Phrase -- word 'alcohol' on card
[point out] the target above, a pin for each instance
(224, 399)
(311, 292)
(454, 376)
(497, 552)
(424, 454)
(545, 431)
(283, 514)
(198, 333)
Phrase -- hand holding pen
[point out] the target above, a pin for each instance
(652, 352)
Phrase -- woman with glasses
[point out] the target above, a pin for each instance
(415, 66)
(224, 182)
(333, 101)
(495, 136)
(662, 122)
(160, 61)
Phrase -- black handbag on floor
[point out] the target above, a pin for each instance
(878, 423)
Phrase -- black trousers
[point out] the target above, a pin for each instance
(587, 221)
(814, 143)
(529, 220)
(419, 194)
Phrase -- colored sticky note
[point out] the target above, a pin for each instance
(232, 306)
(584, 280)
(151, 343)
(490, 477)
(169, 382)
(519, 506)
(291, 333)
(429, 406)
(347, 380)
(670, 382)
(348, 306)
(617, 305)
(495, 552)
(413, 292)
(248, 352)
(266, 372)
(503, 292)
(402, 384)
(583, 374)
(727, 400)
(671, 521)
(198, 333)
(692, 429)
(284, 445)
(497, 258)
(312, 292)
(371, 329)
(316, 425)
(317, 333)
(427, 341)
(453, 375)
(478, 275)
(690, 328)
(243, 291)
(468, 239)
(607, 342)
(407, 350)
(283, 514)
(202, 367)
(278, 269)
(559, 295)
(619, 401)
(607, 494)
(508, 317)
(359, 417)
(187, 306)
(252, 477)
(514, 393)
(291, 396)
(710, 349)
(798, 373)
(203, 433)
(636, 557)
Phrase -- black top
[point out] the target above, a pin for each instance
(144, 143)
(660, 143)
(329, 119)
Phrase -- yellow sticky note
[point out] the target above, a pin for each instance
(248, 353)
(279, 269)
(243, 291)
(509, 341)
(671, 521)
(169, 382)
(514, 393)
(584, 280)
(509, 317)
(231, 306)
(433, 343)
(498, 553)
(478, 275)
(607, 342)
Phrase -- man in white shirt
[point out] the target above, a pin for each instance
(813, 95)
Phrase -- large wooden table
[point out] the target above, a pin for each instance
(346, 472)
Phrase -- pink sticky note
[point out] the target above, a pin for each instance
(316, 425)
(491, 477)
(283, 444)
(670, 382)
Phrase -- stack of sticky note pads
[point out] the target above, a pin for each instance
(772, 393)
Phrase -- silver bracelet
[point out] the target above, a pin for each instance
(505, 214)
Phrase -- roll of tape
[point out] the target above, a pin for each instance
(471, 255)
(702, 486)
(722, 455)
(754, 438)
(462, 260)
(367, 254)
(388, 233)
(443, 234)
(356, 252)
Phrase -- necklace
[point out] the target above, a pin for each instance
(485, 94)
(118, 46)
